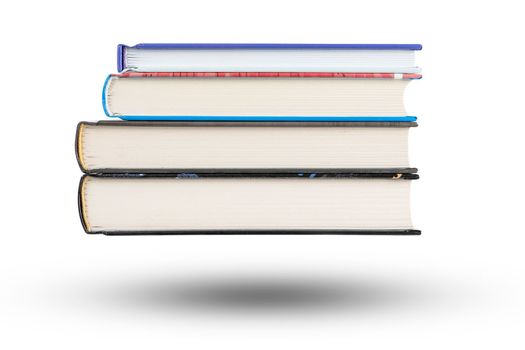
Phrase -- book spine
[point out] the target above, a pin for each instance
(82, 204)
(397, 76)
(105, 95)
(121, 57)
(79, 152)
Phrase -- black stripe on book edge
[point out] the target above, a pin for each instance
(393, 232)
(250, 124)
(310, 174)
(256, 171)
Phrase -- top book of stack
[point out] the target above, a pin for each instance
(356, 58)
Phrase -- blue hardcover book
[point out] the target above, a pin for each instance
(306, 97)
(367, 58)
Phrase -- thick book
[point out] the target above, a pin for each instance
(115, 205)
(398, 58)
(257, 97)
(207, 147)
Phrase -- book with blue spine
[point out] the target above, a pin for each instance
(239, 57)
(245, 96)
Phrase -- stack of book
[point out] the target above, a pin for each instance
(251, 139)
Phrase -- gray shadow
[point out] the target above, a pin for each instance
(250, 294)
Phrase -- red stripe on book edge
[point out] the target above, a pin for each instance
(412, 76)
(269, 75)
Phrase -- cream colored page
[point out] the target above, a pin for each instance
(248, 203)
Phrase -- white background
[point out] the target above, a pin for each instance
(460, 284)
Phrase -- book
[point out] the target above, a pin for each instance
(398, 58)
(251, 139)
(227, 97)
(247, 205)
(241, 147)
